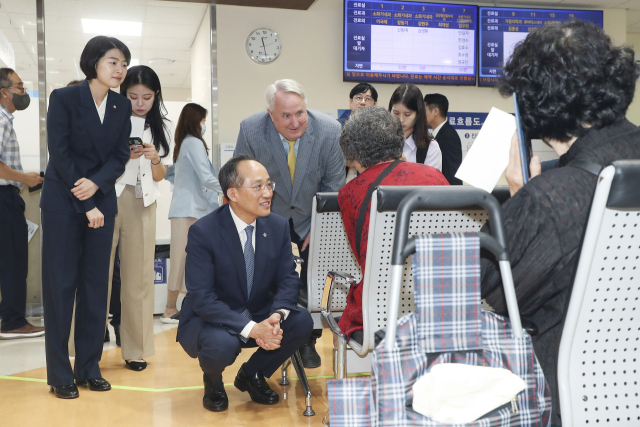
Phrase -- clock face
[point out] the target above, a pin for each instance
(263, 45)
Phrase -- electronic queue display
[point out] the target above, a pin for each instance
(410, 42)
(502, 28)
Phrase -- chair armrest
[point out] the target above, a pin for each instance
(327, 296)
(333, 325)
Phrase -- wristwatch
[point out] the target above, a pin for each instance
(280, 312)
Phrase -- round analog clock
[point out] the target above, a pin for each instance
(264, 45)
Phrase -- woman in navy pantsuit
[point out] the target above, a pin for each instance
(88, 128)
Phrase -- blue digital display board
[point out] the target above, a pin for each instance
(502, 28)
(410, 42)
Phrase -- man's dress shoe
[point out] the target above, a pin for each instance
(136, 366)
(257, 387)
(309, 355)
(65, 391)
(214, 399)
(95, 384)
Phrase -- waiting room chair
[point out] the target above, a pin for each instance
(599, 357)
(384, 204)
(329, 250)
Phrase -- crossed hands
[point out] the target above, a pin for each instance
(267, 333)
(83, 190)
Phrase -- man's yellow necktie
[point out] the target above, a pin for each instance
(291, 159)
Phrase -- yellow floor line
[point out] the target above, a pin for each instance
(157, 390)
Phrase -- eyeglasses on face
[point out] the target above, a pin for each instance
(21, 89)
(367, 100)
(259, 189)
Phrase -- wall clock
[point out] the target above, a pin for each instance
(264, 45)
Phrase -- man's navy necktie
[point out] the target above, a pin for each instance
(249, 258)
(249, 262)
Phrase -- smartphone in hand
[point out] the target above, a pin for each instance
(135, 142)
(38, 186)
(523, 142)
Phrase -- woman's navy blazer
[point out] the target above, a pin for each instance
(82, 147)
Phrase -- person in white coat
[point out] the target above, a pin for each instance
(195, 194)
(134, 234)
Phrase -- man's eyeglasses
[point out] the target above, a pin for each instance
(21, 89)
(367, 100)
(259, 189)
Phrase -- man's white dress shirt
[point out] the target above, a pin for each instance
(434, 155)
(240, 227)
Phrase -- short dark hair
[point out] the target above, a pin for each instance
(229, 176)
(362, 88)
(5, 77)
(569, 77)
(95, 49)
(439, 101)
(372, 136)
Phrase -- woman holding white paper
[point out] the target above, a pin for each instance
(135, 229)
(573, 87)
(406, 105)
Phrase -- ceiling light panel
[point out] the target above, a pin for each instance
(111, 28)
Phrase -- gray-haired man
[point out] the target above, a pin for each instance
(300, 150)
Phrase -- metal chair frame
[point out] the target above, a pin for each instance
(376, 301)
(598, 375)
(296, 361)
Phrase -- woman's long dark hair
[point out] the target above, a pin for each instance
(157, 116)
(189, 125)
(410, 96)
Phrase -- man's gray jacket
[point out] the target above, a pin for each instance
(319, 163)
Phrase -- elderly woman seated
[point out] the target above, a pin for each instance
(573, 87)
(372, 141)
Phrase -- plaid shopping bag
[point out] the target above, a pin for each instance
(351, 403)
(449, 327)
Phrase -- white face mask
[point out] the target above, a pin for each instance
(204, 128)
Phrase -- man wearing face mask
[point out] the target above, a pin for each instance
(13, 225)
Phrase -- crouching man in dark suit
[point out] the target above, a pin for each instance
(242, 288)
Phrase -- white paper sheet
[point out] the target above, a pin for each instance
(31, 230)
(489, 154)
(137, 127)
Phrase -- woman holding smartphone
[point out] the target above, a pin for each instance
(88, 129)
(134, 233)
(406, 105)
(195, 194)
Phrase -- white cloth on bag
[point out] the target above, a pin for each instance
(458, 394)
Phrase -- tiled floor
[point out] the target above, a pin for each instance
(169, 392)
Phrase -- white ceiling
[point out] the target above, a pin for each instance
(168, 30)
